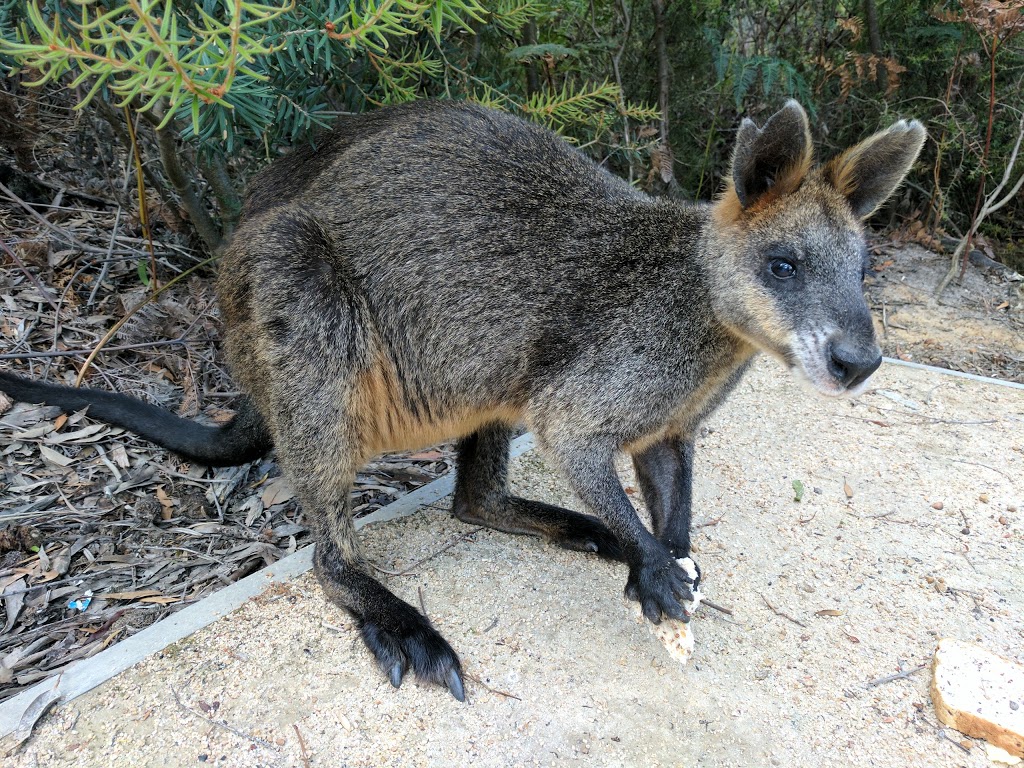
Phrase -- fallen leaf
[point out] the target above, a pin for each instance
(163, 498)
(277, 492)
(60, 421)
(847, 490)
(54, 457)
(166, 503)
(427, 456)
(39, 706)
(133, 595)
(120, 457)
(828, 612)
(798, 490)
(13, 602)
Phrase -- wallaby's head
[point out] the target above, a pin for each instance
(788, 254)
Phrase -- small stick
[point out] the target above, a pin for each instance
(709, 523)
(446, 547)
(225, 726)
(951, 740)
(47, 296)
(783, 614)
(715, 606)
(302, 745)
(897, 676)
(73, 352)
(478, 681)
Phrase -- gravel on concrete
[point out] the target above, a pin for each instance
(910, 528)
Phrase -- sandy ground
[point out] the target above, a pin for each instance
(867, 571)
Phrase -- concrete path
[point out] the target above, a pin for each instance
(910, 528)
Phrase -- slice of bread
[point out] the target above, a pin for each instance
(675, 635)
(980, 694)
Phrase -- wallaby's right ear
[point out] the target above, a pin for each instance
(776, 157)
(866, 174)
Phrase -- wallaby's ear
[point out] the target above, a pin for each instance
(776, 157)
(867, 173)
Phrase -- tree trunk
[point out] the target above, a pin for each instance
(532, 73)
(875, 42)
(666, 159)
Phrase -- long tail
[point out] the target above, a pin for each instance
(244, 438)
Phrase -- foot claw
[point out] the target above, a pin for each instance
(454, 683)
(395, 674)
(411, 643)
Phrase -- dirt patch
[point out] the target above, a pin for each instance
(977, 326)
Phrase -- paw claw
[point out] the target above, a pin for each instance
(661, 588)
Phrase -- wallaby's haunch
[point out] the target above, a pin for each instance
(442, 270)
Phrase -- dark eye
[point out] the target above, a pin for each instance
(782, 268)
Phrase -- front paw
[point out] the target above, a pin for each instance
(664, 588)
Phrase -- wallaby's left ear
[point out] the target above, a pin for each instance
(869, 172)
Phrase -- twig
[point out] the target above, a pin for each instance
(951, 740)
(64, 234)
(140, 186)
(783, 614)
(897, 676)
(716, 607)
(446, 547)
(302, 745)
(117, 326)
(709, 523)
(480, 682)
(73, 352)
(35, 280)
(221, 724)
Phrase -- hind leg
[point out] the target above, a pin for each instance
(399, 636)
(482, 498)
(299, 331)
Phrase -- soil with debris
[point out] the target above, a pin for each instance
(102, 534)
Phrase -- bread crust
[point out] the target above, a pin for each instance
(972, 723)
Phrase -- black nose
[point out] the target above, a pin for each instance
(850, 365)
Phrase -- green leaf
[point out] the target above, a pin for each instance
(798, 490)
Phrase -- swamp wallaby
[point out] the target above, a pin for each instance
(442, 270)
